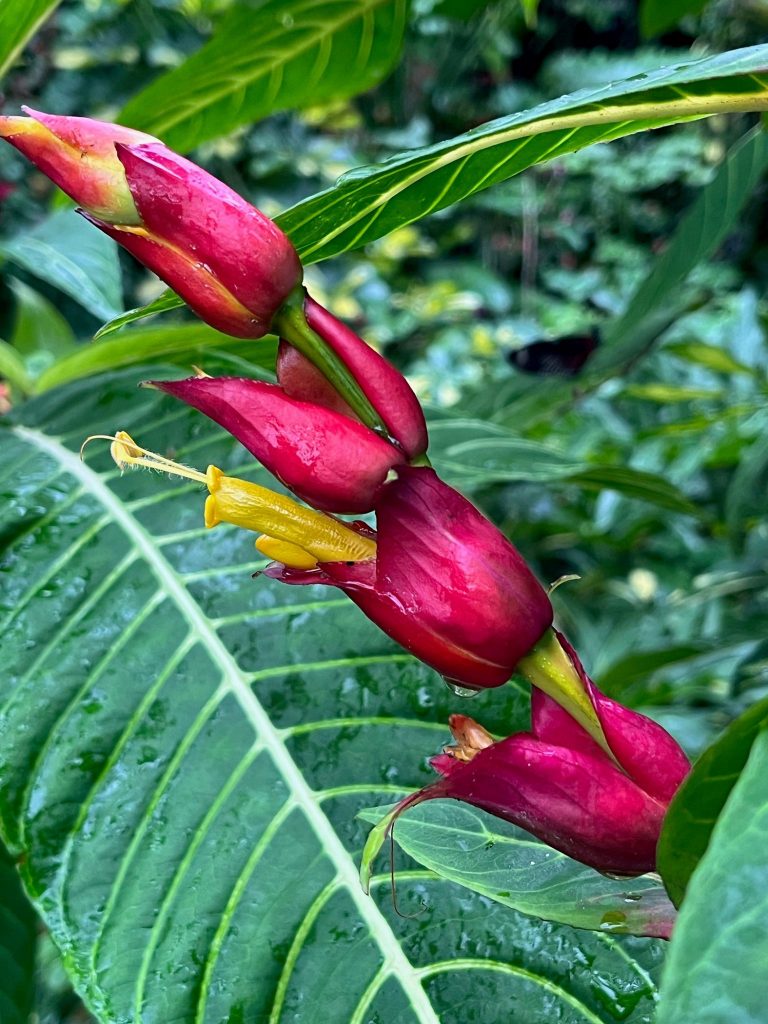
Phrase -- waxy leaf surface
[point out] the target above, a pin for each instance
(184, 749)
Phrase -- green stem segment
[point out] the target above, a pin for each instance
(550, 669)
(290, 323)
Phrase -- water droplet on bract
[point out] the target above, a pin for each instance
(460, 691)
(632, 897)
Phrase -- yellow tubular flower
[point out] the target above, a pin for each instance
(297, 536)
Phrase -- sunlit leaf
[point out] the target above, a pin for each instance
(278, 55)
(186, 343)
(19, 20)
(369, 202)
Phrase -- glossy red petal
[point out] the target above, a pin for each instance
(330, 461)
(455, 573)
(644, 749)
(575, 802)
(202, 292)
(203, 217)
(385, 387)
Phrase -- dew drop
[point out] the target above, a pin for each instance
(460, 691)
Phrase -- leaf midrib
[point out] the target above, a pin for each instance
(395, 961)
(688, 107)
(323, 32)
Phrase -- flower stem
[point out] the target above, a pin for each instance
(291, 324)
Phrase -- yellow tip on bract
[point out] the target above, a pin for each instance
(15, 125)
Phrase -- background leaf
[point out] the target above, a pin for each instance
(698, 803)
(66, 252)
(746, 492)
(18, 941)
(165, 302)
(188, 343)
(177, 743)
(19, 20)
(271, 56)
(716, 966)
(369, 202)
(510, 866)
(658, 15)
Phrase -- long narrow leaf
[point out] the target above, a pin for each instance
(19, 20)
(280, 55)
(370, 202)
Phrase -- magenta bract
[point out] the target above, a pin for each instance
(231, 264)
(446, 584)
(558, 784)
(388, 391)
(331, 461)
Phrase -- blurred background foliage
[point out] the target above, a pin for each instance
(671, 608)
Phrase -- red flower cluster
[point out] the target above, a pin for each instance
(343, 430)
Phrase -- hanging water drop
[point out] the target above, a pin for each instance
(460, 691)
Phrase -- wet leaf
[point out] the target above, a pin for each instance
(716, 967)
(184, 749)
(699, 802)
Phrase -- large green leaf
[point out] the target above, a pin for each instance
(18, 942)
(271, 56)
(183, 750)
(697, 805)
(66, 252)
(19, 20)
(369, 202)
(717, 963)
(509, 866)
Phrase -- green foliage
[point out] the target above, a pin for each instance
(308, 52)
(68, 254)
(510, 867)
(19, 20)
(658, 15)
(18, 935)
(698, 805)
(369, 202)
(716, 966)
(194, 780)
(186, 344)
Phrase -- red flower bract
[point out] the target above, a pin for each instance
(603, 809)
(231, 264)
(445, 583)
(330, 460)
